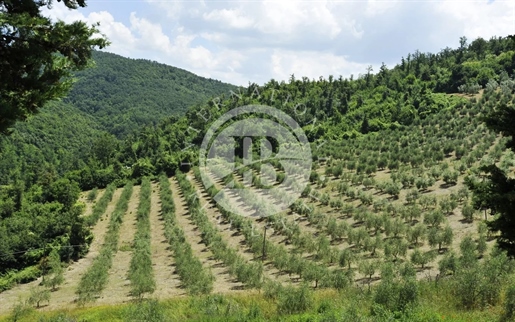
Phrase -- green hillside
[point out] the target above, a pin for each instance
(124, 94)
(387, 206)
(56, 140)
(338, 109)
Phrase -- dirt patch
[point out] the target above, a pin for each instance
(118, 287)
(167, 283)
(223, 281)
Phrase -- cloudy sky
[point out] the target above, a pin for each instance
(254, 40)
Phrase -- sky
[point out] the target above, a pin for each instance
(254, 41)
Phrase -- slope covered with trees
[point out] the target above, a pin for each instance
(119, 95)
(124, 94)
(333, 109)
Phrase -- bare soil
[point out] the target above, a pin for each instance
(167, 282)
(223, 282)
(117, 289)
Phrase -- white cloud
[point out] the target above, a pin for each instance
(232, 18)
(376, 7)
(480, 19)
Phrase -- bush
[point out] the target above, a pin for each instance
(92, 195)
(448, 264)
(509, 304)
(295, 299)
(450, 177)
(38, 295)
(396, 294)
(468, 212)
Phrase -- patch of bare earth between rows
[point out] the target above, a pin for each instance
(167, 282)
(223, 281)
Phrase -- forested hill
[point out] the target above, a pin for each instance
(124, 94)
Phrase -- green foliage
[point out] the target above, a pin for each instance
(40, 57)
(38, 295)
(125, 94)
(41, 219)
(194, 277)
(478, 284)
(422, 258)
(25, 275)
(55, 273)
(397, 292)
(92, 195)
(149, 310)
(448, 264)
(295, 299)
(509, 304)
(101, 205)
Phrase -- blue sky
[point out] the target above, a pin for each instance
(256, 40)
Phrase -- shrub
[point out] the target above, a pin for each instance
(295, 299)
(448, 264)
(468, 212)
(145, 310)
(509, 304)
(450, 177)
(38, 295)
(56, 272)
(396, 294)
(92, 195)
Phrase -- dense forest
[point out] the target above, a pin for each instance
(129, 119)
(124, 94)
